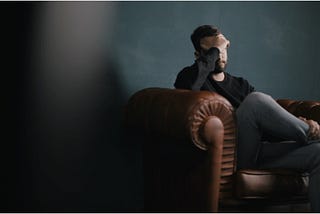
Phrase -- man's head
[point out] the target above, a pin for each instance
(201, 32)
(207, 36)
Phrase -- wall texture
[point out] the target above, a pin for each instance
(72, 66)
(273, 44)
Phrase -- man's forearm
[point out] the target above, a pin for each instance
(206, 64)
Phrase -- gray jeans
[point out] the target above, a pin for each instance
(261, 118)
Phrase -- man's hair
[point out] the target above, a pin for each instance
(201, 32)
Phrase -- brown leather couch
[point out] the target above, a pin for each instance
(189, 154)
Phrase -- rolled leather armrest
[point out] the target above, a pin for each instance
(202, 117)
(307, 109)
(178, 113)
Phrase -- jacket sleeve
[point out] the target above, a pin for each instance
(193, 77)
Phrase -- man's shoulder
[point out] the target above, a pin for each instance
(186, 77)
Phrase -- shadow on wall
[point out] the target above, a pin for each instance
(70, 153)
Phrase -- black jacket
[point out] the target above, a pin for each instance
(199, 77)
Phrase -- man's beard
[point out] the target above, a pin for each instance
(219, 68)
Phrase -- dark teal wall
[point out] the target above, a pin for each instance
(274, 45)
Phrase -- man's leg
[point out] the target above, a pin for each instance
(259, 113)
(303, 158)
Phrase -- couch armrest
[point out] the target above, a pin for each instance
(202, 117)
(307, 109)
(179, 113)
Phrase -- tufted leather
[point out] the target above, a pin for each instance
(307, 109)
(183, 117)
(178, 113)
(183, 114)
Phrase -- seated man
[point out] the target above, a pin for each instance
(259, 116)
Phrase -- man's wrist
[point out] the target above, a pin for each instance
(211, 54)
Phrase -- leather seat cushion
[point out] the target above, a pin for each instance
(270, 184)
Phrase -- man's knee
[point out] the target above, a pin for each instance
(254, 101)
(257, 97)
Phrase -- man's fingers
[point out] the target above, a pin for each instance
(317, 131)
(302, 118)
(314, 129)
